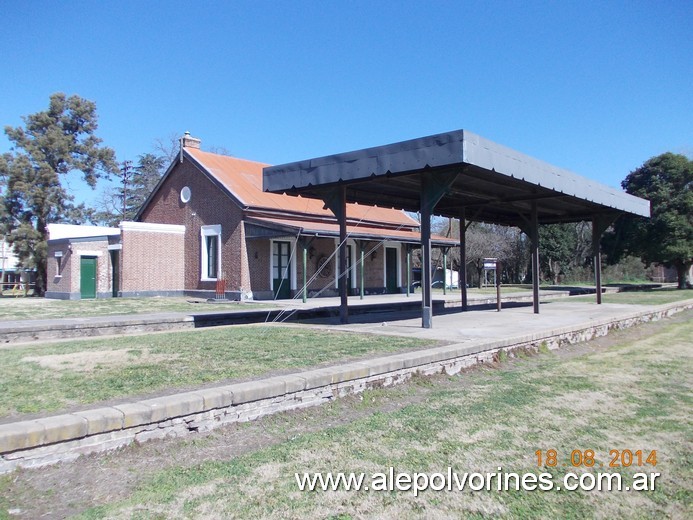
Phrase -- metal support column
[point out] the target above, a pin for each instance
(433, 187)
(343, 301)
(426, 300)
(600, 224)
(336, 202)
(534, 239)
(463, 259)
(596, 251)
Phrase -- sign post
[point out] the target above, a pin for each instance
(498, 286)
(493, 264)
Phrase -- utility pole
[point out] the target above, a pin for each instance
(126, 173)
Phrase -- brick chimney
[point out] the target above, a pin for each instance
(188, 141)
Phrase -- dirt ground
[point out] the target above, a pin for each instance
(69, 488)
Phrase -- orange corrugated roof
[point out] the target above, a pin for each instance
(243, 179)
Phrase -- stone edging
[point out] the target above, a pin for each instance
(93, 326)
(49, 440)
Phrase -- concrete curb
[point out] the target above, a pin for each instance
(48, 440)
(66, 328)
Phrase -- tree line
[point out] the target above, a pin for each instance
(62, 139)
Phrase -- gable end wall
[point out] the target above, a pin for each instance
(208, 205)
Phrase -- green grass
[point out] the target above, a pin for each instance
(644, 297)
(615, 398)
(45, 308)
(52, 377)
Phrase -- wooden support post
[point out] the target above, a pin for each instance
(445, 271)
(343, 300)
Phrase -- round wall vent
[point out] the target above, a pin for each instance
(185, 195)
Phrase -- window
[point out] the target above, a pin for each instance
(210, 258)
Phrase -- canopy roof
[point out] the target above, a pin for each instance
(492, 182)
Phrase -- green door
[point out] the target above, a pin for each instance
(391, 269)
(87, 277)
(281, 270)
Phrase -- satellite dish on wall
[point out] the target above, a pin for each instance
(185, 195)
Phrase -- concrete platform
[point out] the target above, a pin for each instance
(481, 325)
(22, 331)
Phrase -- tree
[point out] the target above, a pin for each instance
(486, 241)
(168, 147)
(136, 183)
(148, 172)
(52, 144)
(506, 243)
(667, 236)
(564, 247)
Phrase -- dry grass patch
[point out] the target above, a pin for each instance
(98, 359)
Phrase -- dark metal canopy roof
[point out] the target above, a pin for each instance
(492, 182)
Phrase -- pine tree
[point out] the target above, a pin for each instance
(51, 144)
(122, 202)
(149, 170)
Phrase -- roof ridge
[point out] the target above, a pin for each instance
(226, 157)
(241, 179)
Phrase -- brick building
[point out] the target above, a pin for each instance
(103, 262)
(209, 227)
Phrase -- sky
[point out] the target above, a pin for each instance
(594, 87)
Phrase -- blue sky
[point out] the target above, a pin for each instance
(595, 87)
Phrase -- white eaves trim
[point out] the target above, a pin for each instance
(152, 228)
(59, 231)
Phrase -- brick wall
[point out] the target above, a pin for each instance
(322, 248)
(245, 263)
(59, 269)
(259, 257)
(152, 258)
(103, 265)
(208, 205)
(375, 267)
